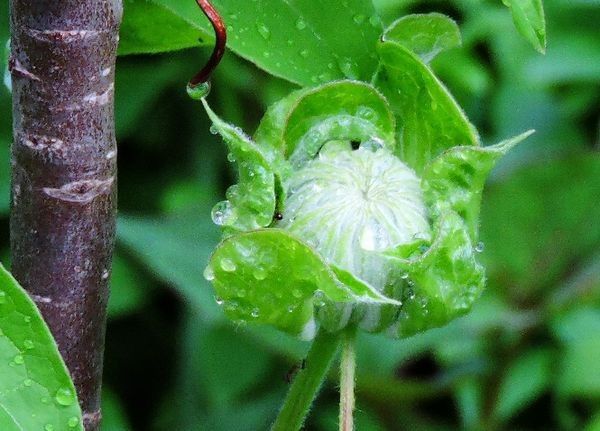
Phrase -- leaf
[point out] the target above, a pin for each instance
(268, 276)
(528, 16)
(556, 200)
(149, 28)
(429, 119)
(127, 292)
(250, 204)
(455, 179)
(294, 39)
(113, 415)
(342, 110)
(424, 34)
(174, 249)
(525, 380)
(444, 281)
(33, 376)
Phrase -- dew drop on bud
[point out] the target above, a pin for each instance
(228, 265)
(479, 247)
(209, 274)
(219, 300)
(255, 313)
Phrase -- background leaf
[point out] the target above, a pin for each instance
(290, 39)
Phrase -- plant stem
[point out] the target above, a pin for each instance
(347, 372)
(307, 382)
(64, 174)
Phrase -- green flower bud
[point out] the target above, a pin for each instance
(341, 219)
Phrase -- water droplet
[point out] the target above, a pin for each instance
(221, 213)
(49, 427)
(28, 382)
(374, 20)
(297, 293)
(480, 247)
(228, 265)
(291, 309)
(27, 319)
(2, 297)
(300, 24)
(264, 31)
(359, 19)
(64, 396)
(304, 53)
(255, 313)
(423, 302)
(209, 274)
(213, 129)
(241, 293)
(73, 421)
(259, 273)
(410, 283)
(404, 276)
(411, 294)
(219, 300)
(198, 92)
(230, 157)
(19, 360)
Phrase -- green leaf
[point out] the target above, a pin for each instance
(425, 34)
(429, 119)
(558, 201)
(268, 276)
(444, 281)
(174, 250)
(250, 204)
(455, 179)
(127, 292)
(113, 415)
(525, 380)
(295, 39)
(342, 110)
(33, 376)
(149, 28)
(528, 16)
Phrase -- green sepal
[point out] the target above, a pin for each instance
(429, 119)
(337, 111)
(268, 276)
(251, 203)
(442, 283)
(424, 34)
(455, 179)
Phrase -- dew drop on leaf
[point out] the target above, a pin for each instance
(255, 312)
(73, 421)
(300, 24)
(479, 247)
(19, 360)
(28, 382)
(2, 297)
(49, 427)
(264, 31)
(297, 293)
(304, 53)
(64, 397)
(359, 19)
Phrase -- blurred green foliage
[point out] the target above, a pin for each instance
(527, 357)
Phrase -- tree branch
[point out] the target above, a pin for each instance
(64, 174)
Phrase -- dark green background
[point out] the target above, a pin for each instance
(526, 358)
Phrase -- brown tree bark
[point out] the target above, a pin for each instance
(64, 174)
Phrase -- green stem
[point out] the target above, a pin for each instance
(307, 382)
(347, 372)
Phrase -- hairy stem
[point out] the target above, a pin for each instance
(64, 174)
(347, 373)
(307, 383)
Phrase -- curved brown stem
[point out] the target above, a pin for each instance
(220, 41)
